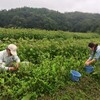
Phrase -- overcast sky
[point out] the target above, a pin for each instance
(91, 6)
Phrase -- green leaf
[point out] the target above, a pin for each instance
(2, 80)
(27, 97)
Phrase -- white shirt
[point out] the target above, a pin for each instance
(96, 55)
(4, 58)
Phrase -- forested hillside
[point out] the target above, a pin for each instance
(42, 18)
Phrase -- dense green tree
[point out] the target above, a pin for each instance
(43, 18)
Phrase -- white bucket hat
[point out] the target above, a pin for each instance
(12, 49)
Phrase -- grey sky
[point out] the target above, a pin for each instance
(91, 6)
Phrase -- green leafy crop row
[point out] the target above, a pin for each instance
(45, 63)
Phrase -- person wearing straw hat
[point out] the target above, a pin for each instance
(95, 54)
(8, 57)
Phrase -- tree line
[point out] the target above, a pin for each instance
(42, 18)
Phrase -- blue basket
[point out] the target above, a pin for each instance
(89, 69)
(75, 75)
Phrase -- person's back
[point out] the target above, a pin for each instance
(98, 48)
(97, 53)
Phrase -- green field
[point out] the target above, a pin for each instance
(51, 56)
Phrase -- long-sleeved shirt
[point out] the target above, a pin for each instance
(7, 60)
(96, 55)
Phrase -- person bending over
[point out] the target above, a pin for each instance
(9, 59)
(95, 53)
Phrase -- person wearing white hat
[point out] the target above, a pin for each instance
(8, 57)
